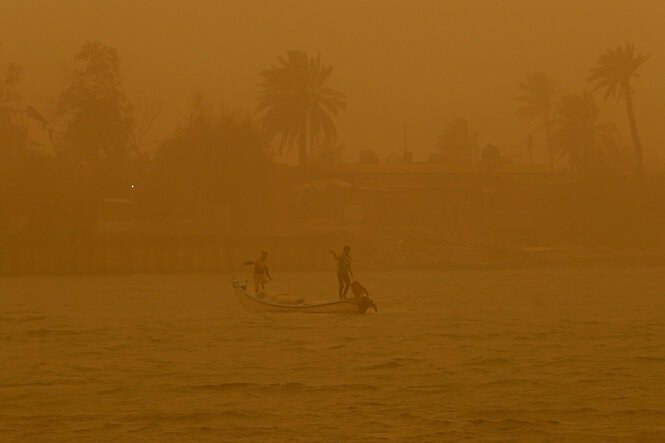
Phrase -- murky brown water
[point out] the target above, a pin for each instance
(575, 354)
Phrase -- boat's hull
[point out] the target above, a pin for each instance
(254, 304)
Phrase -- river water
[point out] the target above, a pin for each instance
(554, 355)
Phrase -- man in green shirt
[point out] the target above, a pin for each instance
(344, 272)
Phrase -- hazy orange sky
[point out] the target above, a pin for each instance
(425, 62)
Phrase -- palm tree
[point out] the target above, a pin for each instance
(578, 135)
(11, 76)
(537, 103)
(614, 71)
(295, 104)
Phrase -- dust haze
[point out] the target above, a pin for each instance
(199, 198)
(424, 62)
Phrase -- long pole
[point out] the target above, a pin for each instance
(405, 141)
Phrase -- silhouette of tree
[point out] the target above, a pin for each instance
(146, 112)
(457, 143)
(295, 103)
(215, 159)
(613, 72)
(13, 136)
(13, 117)
(578, 136)
(99, 115)
(536, 103)
(10, 78)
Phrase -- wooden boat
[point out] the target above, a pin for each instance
(347, 306)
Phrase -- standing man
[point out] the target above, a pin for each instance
(261, 273)
(344, 272)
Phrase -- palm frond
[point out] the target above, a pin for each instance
(292, 93)
(577, 134)
(536, 99)
(614, 70)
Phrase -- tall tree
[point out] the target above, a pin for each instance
(217, 159)
(579, 136)
(614, 71)
(99, 115)
(457, 143)
(8, 81)
(536, 103)
(146, 112)
(295, 103)
(13, 136)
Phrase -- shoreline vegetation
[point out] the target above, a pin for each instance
(134, 254)
(79, 193)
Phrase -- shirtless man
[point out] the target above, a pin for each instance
(261, 273)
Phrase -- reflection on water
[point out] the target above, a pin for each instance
(560, 354)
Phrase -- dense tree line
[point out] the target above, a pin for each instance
(214, 165)
(217, 161)
(570, 123)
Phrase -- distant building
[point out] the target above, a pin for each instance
(440, 192)
(368, 157)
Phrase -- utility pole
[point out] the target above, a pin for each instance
(407, 157)
(405, 145)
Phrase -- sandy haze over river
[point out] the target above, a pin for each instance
(496, 169)
(425, 62)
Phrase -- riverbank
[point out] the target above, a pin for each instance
(466, 253)
(403, 249)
